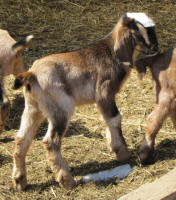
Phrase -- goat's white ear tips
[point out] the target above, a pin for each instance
(29, 38)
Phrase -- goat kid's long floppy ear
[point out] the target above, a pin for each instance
(129, 22)
(24, 79)
(18, 47)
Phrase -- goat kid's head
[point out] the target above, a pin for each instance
(17, 49)
(140, 31)
(143, 33)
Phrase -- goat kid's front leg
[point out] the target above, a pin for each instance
(114, 135)
(29, 124)
(52, 141)
(4, 107)
(173, 116)
(154, 123)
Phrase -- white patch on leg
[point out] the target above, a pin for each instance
(149, 141)
(29, 123)
(47, 136)
(101, 118)
(108, 137)
(24, 131)
(113, 140)
(113, 137)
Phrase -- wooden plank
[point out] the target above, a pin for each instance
(163, 188)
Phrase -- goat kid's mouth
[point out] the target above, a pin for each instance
(142, 54)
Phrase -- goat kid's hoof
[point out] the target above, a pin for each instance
(123, 155)
(68, 184)
(20, 183)
(67, 181)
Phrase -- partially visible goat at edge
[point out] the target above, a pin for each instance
(163, 69)
(94, 74)
(10, 63)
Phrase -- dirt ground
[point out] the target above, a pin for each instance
(60, 25)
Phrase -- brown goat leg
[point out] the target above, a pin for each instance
(29, 124)
(173, 116)
(4, 107)
(114, 135)
(115, 139)
(52, 141)
(154, 123)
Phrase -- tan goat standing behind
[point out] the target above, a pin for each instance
(10, 63)
(163, 69)
(57, 83)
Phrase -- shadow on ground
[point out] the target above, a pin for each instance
(42, 186)
(15, 113)
(75, 129)
(6, 140)
(4, 159)
(165, 150)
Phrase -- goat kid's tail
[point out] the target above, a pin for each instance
(26, 79)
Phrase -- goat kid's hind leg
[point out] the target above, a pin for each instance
(114, 135)
(30, 121)
(173, 116)
(154, 123)
(4, 107)
(52, 141)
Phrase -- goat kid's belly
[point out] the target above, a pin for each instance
(84, 93)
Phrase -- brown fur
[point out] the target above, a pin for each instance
(26, 78)
(163, 69)
(10, 63)
(62, 81)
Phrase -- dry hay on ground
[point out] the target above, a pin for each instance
(66, 25)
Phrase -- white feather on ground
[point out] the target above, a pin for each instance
(117, 172)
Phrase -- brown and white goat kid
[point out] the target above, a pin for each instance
(163, 69)
(57, 83)
(10, 63)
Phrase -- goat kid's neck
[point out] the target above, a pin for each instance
(122, 46)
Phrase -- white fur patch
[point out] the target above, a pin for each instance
(142, 18)
(29, 37)
(113, 139)
(47, 136)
